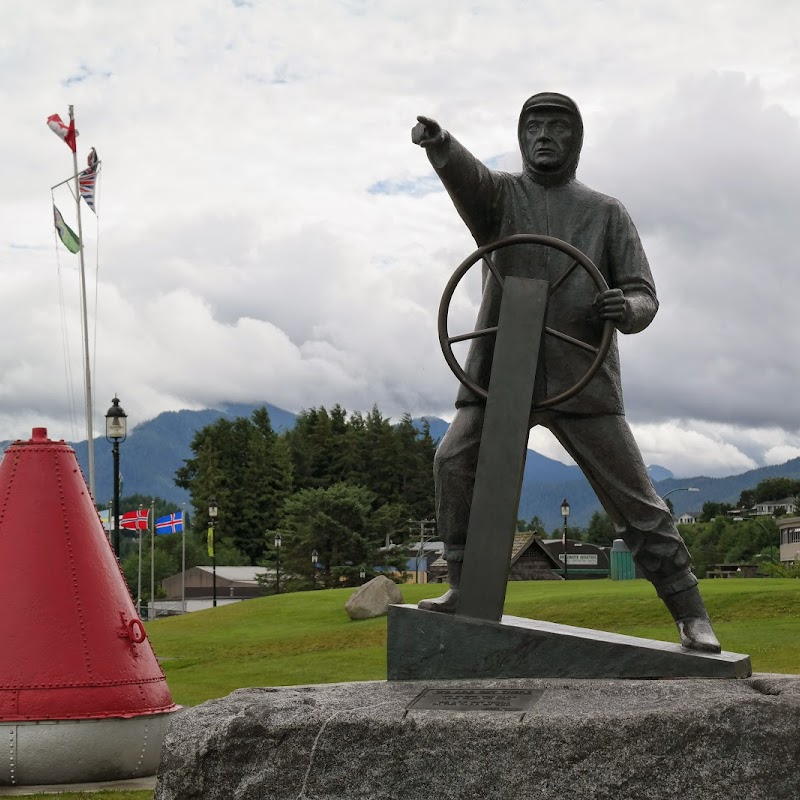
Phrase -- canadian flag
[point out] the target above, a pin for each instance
(65, 132)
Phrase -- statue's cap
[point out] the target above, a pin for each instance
(550, 100)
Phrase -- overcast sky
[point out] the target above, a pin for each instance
(267, 231)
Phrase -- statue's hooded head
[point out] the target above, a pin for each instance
(550, 137)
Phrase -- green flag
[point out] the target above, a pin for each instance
(65, 233)
(211, 542)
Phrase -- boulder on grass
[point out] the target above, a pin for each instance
(373, 598)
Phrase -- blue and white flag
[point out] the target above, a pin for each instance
(172, 523)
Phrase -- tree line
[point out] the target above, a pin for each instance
(339, 485)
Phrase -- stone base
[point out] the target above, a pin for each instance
(582, 740)
(426, 645)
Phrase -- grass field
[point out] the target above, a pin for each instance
(308, 637)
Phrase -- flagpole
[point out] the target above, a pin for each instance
(152, 558)
(139, 585)
(87, 386)
(67, 180)
(183, 558)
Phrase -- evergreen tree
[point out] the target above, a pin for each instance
(332, 522)
(245, 467)
(601, 530)
(534, 525)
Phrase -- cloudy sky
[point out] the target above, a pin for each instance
(267, 231)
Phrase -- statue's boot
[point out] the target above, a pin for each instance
(690, 615)
(449, 600)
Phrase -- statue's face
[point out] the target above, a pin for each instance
(547, 138)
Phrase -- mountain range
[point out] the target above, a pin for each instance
(155, 449)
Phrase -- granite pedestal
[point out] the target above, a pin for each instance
(579, 739)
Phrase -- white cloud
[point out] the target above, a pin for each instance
(244, 257)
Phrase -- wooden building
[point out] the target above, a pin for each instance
(232, 582)
(530, 561)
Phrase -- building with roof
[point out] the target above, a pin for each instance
(769, 507)
(238, 583)
(584, 559)
(789, 530)
(530, 561)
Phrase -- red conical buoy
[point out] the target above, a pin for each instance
(73, 647)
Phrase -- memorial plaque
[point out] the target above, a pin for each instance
(514, 700)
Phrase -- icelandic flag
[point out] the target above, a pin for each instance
(135, 520)
(65, 132)
(172, 523)
(88, 178)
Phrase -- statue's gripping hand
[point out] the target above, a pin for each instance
(611, 304)
(428, 133)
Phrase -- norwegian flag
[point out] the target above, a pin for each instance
(65, 132)
(88, 179)
(135, 520)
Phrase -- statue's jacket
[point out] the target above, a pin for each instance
(498, 204)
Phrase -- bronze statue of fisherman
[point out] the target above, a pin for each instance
(545, 198)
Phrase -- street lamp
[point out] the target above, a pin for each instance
(277, 563)
(314, 560)
(565, 514)
(212, 514)
(362, 573)
(680, 489)
(116, 432)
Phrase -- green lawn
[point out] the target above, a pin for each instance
(308, 637)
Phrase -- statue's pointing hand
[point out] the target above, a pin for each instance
(611, 304)
(428, 133)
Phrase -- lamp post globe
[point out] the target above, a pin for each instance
(116, 432)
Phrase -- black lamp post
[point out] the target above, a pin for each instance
(362, 573)
(212, 515)
(314, 560)
(565, 514)
(277, 563)
(116, 432)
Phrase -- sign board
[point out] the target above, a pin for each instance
(586, 559)
(463, 699)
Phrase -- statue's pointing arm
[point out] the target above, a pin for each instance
(472, 186)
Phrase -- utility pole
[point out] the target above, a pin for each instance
(426, 529)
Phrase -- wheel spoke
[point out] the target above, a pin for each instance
(572, 340)
(564, 275)
(462, 337)
(493, 269)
